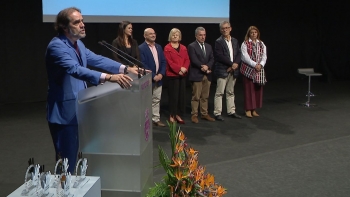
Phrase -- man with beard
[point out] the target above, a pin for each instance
(66, 63)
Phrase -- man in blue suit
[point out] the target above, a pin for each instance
(153, 59)
(66, 63)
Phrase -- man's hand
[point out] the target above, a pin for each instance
(206, 71)
(121, 79)
(234, 66)
(204, 68)
(230, 69)
(135, 70)
(158, 77)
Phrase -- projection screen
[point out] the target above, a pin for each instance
(142, 11)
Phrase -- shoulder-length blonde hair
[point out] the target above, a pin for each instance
(248, 32)
(172, 32)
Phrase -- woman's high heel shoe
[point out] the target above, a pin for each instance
(248, 114)
(254, 113)
(179, 120)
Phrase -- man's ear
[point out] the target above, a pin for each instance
(64, 28)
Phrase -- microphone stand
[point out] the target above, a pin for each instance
(103, 43)
(129, 56)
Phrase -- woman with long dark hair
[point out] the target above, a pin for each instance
(127, 44)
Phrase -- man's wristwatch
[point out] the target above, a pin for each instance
(126, 70)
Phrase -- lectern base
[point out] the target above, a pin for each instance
(307, 104)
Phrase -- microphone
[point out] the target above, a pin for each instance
(103, 43)
(129, 56)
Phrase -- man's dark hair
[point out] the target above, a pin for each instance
(62, 19)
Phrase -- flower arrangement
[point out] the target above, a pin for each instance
(184, 176)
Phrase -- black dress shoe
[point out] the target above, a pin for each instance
(219, 118)
(235, 116)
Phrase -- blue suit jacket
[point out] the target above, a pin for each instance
(67, 72)
(148, 60)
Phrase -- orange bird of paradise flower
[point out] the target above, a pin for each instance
(197, 175)
(177, 162)
(179, 147)
(221, 191)
(188, 188)
(181, 136)
(192, 152)
(179, 175)
(193, 165)
(209, 179)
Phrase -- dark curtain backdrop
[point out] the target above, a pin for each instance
(297, 34)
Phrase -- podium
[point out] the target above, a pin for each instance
(115, 131)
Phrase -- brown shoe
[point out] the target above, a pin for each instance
(194, 119)
(159, 124)
(248, 114)
(207, 117)
(254, 113)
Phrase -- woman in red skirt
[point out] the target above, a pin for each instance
(252, 67)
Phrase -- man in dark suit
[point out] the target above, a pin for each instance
(227, 56)
(202, 60)
(66, 64)
(153, 59)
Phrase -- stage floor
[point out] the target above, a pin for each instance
(289, 150)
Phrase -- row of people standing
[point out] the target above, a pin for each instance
(66, 60)
(176, 62)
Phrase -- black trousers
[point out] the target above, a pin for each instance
(176, 92)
